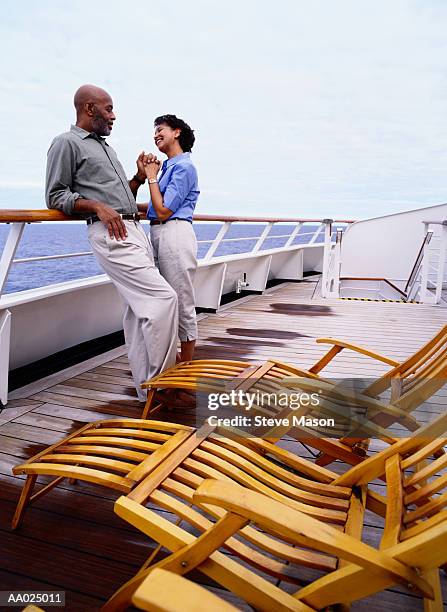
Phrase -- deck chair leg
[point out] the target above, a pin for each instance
(359, 447)
(436, 604)
(122, 598)
(324, 459)
(149, 402)
(23, 501)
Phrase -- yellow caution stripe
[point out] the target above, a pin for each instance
(371, 300)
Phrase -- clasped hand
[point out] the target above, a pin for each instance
(151, 165)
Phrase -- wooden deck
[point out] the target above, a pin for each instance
(71, 540)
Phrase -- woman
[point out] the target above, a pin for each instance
(173, 199)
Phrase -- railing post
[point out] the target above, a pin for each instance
(262, 237)
(326, 255)
(318, 230)
(293, 235)
(217, 240)
(425, 297)
(434, 295)
(441, 262)
(12, 242)
(5, 336)
(335, 288)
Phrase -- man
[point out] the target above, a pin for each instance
(85, 177)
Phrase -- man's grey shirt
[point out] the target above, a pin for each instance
(81, 164)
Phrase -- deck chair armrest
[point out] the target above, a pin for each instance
(326, 392)
(341, 344)
(300, 529)
(164, 590)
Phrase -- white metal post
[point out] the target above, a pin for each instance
(441, 262)
(318, 231)
(326, 256)
(5, 335)
(262, 237)
(335, 288)
(12, 242)
(293, 235)
(217, 240)
(425, 296)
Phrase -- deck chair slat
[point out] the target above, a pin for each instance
(287, 475)
(434, 351)
(204, 462)
(159, 455)
(425, 492)
(110, 451)
(426, 472)
(100, 462)
(252, 374)
(137, 424)
(114, 441)
(165, 590)
(422, 526)
(131, 433)
(426, 451)
(394, 507)
(254, 536)
(274, 567)
(428, 509)
(72, 471)
(272, 480)
(172, 461)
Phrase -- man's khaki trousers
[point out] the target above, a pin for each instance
(151, 314)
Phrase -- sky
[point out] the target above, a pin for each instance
(322, 108)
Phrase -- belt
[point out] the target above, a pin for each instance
(124, 216)
(157, 222)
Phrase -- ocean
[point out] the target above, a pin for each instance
(42, 239)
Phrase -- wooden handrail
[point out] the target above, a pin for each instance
(34, 216)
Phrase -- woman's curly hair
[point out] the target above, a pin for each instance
(186, 138)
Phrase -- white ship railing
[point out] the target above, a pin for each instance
(434, 265)
(36, 313)
(330, 281)
(426, 283)
(18, 219)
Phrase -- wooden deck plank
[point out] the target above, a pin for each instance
(76, 414)
(77, 389)
(12, 412)
(45, 561)
(74, 601)
(113, 407)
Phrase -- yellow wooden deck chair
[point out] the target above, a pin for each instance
(216, 372)
(268, 536)
(120, 453)
(217, 376)
(164, 591)
(115, 453)
(377, 414)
